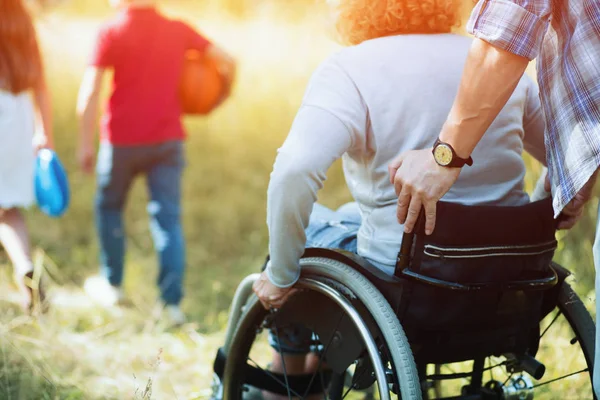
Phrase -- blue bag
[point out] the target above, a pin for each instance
(51, 185)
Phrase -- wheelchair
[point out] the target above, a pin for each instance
(477, 310)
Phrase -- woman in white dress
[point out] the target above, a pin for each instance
(25, 126)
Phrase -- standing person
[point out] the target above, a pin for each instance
(25, 127)
(141, 133)
(510, 33)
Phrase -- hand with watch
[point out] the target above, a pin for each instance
(421, 180)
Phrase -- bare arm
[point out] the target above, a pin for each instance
(225, 60)
(227, 67)
(44, 136)
(489, 79)
(509, 33)
(88, 104)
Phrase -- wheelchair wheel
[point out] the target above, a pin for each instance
(383, 355)
(567, 344)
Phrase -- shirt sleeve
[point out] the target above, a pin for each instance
(517, 26)
(194, 40)
(534, 123)
(103, 53)
(328, 124)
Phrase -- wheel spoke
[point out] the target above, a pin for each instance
(558, 314)
(322, 383)
(380, 348)
(287, 385)
(321, 356)
(507, 379)
(354, 384)
(272, 376)
(562, 377)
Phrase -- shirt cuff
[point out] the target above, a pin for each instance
(511, 27)
(281, 283)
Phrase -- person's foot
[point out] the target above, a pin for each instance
(102, 292)
(174, 315)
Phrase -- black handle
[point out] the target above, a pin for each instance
(404, 256)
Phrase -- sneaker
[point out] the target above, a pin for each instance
(102, 292)
(174, 315)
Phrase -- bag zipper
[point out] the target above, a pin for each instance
(489, 251)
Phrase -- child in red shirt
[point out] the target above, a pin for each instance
(141, 133)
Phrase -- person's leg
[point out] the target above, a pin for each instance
(291, 349)
(115, 172)
(596, 251)
(14, 237)
(164, 184)
(15, 240)
(333, 229)
(350, 212)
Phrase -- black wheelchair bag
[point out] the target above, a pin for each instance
(480, 283)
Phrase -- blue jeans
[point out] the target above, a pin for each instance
(326, 229)
(333, 229)
(162, 164)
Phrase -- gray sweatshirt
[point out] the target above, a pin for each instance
(369, 103)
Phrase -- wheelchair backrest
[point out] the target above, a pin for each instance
(476, 286)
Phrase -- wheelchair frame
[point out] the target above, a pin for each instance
(244, 300)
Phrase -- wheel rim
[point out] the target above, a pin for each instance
(234, 380)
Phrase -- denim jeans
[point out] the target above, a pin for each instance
(326, 229)
(162, 164)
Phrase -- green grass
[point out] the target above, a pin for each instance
(82, 351)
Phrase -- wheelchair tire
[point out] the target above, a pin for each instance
(318, 268)
(581, 322)
(385, 318)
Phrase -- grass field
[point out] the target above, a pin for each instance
(82, 351)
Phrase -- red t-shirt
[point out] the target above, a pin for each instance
(146, 52)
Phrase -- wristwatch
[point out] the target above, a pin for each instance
(445, 156)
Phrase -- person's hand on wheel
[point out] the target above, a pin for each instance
(573, 211)
(419, 182)
(270, 295)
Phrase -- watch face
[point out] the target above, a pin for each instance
(443, 154)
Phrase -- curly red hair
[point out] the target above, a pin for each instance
(360, 20)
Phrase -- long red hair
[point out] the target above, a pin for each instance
(20, 60)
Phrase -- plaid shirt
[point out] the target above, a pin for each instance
(566, 34)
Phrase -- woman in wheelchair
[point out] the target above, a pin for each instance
(389, 92)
